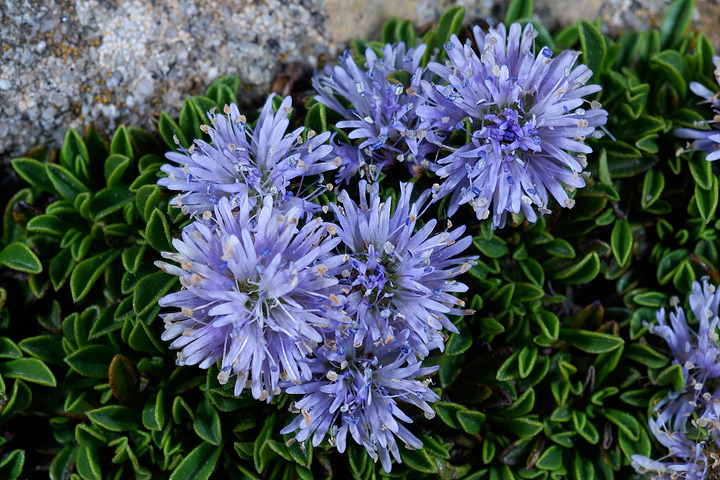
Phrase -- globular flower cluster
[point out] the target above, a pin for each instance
(526, 118)
(244, 162)
(382, 111)
(688, 423)
(706, 141)
(337, 304)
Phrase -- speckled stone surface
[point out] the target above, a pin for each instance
(66, 63)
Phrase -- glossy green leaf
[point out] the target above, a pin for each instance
(18, 256)
(124, 380)
(523, 427)
(707, 200)
(11, 465)
(171, 132)
(33, 172)
(590, 342)
(28, 369)
(189, 121)
(517, 10)
(449, 24)
(207, 423)
(198, 464)
(109, 200)
(92, 361)
(621, 241)
(677, 20)
(672, 376)
(115, 418)
(153, 415)
(653, 185)
(316, 118)
(87, 272)
(631, 447)
(157, 232)
(150, 289)
(593, 47)
(581, 272)
(88, 464)
(65, 182)
(115, 168)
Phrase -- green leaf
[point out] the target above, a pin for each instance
(448, 411)
(132, 257)
(157, 232)
(61, 266)
(34, 173)
(121, 144)
(88, 464)
(676, 21)
(66, 184)
(581, 272)
(207, 423)
(88, 271)
(707, 200)
(523, 427)
(150, 289)
(526, 292)
(405, 32)
(199, 464)
(653, 185)
(28, 369)
(449, 24)
(418, 460)
(493, 248)
(522, 406)
(12, 464)
(48, 225)
(18, 256)
(73, 147)
(624, 421)
(632, 447)
(673, 376)
(551, 459)
(526, 360)
(518, 10)
(115, 167)
(63, 463)
(316, 119)
(124, 380)
(672, 66)
(43, 347)
(548, 323)
(458, 343)
(593, 47)
(153, 415)
(621, 241)
(171, 132)
(669, 265)
(223, 90)
(115, 418)
(471, 421)
(400, 77)
(109, 200)
(646, 355)
(189, 121)
(591, 342)
(92, 361)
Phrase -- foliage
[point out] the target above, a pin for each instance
(553, 376)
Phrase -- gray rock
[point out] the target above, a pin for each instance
(66, 63)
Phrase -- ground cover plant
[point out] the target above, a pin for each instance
(482, 251)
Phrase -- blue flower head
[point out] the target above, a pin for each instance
(675, 427)
(362, 391)
(397, 278)
(257, 291)
(706, 141)
(242, 161)
(527, 123)
(382, 111)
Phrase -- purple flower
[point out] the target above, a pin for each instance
(527, 123)
(706, 141)
(398, 279)
(360, 391)
(382, 113)
(257, 290)
(691, 455)
(242, 161)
